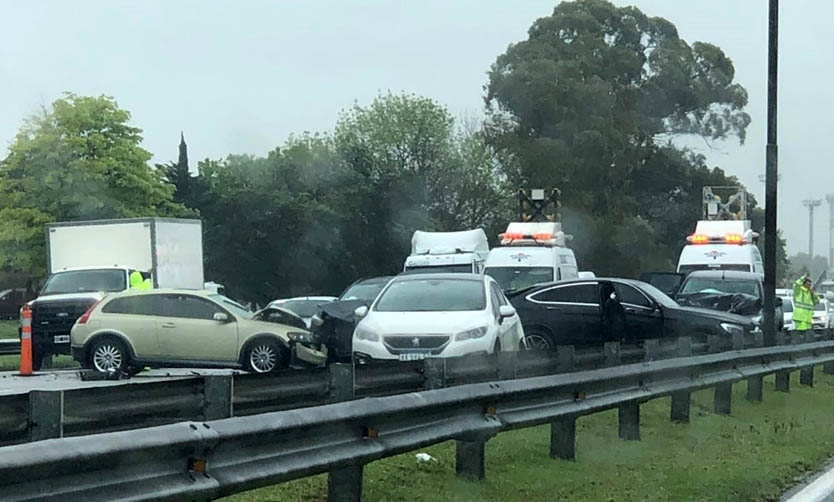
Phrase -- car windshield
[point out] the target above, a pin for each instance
(515, 278)
(658, 296)
(430, 295)
(820, 307)
(719, 286)
(85, 281)
(302, 308)
(367, 291)
(233, 306)
(787, 305)
(742, 267)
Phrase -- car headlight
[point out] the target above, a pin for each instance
(365, 334)
(732, 328)
(301, 337)
(471, 334)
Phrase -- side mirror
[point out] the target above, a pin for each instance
(506, 311)
(361, 312)
(221, 317)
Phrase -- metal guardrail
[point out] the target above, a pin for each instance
(9, 347)
(207, 460)
(49, 414)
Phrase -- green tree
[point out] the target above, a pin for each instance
(590, 103)
(78, 160)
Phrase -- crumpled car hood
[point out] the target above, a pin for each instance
(735, 303)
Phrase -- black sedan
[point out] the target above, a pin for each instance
(590, 312)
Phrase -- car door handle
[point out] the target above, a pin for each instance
(550, 307)
(630, 311)
(169, 325)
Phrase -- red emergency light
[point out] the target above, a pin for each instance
(519, 236)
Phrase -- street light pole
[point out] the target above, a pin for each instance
(771, 174)
(830, 199)
(811, 204)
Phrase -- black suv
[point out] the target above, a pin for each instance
(731, 291)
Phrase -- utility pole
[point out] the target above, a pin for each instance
(771, 175)
(830, 199)
(811, 204)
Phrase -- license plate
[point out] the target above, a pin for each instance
(414, 356)
(61, 339)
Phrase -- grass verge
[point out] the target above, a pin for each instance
(753, 455)
(8, 329)
(11, 363)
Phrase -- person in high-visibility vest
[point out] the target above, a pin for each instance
(138, 282)
(804, 300)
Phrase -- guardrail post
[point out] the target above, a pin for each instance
(470, 460)
(434, 370)
(783, 381)
(755, 383)
(681, 399)
(563, 438)
(563, 430)
(507, 364)
(566, 358)
(652, 349)
(806, 374)
(217, 397)
(723, 398)
(46, 414)
(344, 484)
(629, 421)
(612, 353)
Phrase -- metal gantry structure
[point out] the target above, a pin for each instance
(830, 199)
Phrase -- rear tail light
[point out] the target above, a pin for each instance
(86, 315)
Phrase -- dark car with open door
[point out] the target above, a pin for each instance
(590, 312)
(333, 326)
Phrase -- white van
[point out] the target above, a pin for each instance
(721, 245)
(531, 253)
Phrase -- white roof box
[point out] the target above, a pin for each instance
(466, 241)
(540, 233)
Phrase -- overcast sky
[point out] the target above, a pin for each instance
(239, 77)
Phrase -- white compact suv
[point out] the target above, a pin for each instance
(436, 315)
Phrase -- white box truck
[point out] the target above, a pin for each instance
(88, 259)
(463, 251)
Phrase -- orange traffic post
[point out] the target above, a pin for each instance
(25, 341)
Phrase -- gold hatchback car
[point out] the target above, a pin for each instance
(184, 328)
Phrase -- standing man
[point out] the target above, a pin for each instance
(804, 300)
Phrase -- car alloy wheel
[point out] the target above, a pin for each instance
(536, 341)
(263, 357)
(108, 356)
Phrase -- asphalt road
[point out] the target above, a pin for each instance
(12, 383)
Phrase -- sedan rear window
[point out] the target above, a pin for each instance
(430, 295)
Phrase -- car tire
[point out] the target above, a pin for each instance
(265, 356)
(108, 354)
(537, 339)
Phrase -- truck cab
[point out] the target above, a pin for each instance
(724, 238)
(531, 253)
(87, 260)
(721, 245)
(444, 252)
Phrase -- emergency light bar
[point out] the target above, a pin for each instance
(706, 239)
